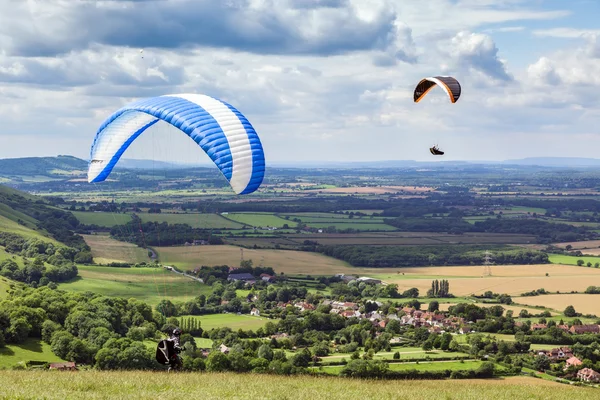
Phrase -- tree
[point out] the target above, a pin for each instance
(541, 363)
(433, 306)
(265, 351)
(580, 262)
(570, 311)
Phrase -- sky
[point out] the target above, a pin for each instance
(320, 80)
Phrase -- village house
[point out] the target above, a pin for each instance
(572, 362)
(538, 327)
(255, 312)
(581, 329)
(588, 375)
(267, 278)
(557, 353)
(366, 279)
(435, 329)
(64, 366)
(248, 278)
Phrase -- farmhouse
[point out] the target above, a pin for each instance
(579, 329)
(255, 312)
(572, 362)
(557, 353)
(538, 327)
(588, 375)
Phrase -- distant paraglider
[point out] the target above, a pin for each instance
(142, 52)
(450, 85)
(436, 151)
(218, 128)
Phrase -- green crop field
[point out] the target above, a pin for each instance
(195, 220)
(259, 219)
(106, 250)
(422, 366)
(106, 219)
(147, 284)
(152, 385)
(572, 260)
(232, 321)
(31, 350)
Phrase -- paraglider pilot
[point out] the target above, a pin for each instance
(167, 351)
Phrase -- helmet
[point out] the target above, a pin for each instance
(177, 332)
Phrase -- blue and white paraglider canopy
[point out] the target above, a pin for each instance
(218, 128)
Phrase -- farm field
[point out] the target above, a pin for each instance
(195, 220)
(583, 303)
(31, 350)
(572, 260)
(106, 250)
(288, 261)
(259, 219)
(232, 321)
(147, 284)
(106, 219)
(145, 385)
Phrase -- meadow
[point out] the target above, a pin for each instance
(105, 219)
(4, 286)
(106, 250)
(150, 285)
(150, 385)
(31, 350)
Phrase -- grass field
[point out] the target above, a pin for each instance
(107, 219)
(259, 219)
(152, 385)
(106, 250)
(281, 260)
(406, 353)
(195, 220)
(31, 350)
(148, 284)
(572, 260)
(232, 321)
(583, 303)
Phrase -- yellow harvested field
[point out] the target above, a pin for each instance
(583, 303)
(513, 279)
(287, 261)
(375, 190)
(106, 250)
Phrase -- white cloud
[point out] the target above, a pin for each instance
(319, 79)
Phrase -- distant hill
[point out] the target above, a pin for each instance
(43, 166)
(566, 162)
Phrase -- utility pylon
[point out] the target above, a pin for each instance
(487, 261)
